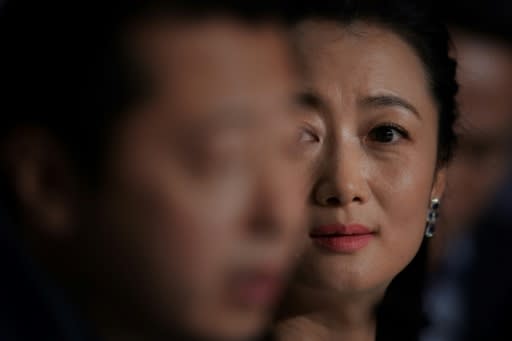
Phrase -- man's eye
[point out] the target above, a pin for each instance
(387, 133)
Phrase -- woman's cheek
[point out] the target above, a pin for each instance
(402, 188)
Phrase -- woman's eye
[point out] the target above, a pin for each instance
(387, 134)
(308, 136)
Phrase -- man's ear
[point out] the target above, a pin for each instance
(42, 180)
(439, 183)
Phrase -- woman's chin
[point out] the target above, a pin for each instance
(343, 276)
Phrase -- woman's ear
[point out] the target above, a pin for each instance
(41, 179)
(439, 185)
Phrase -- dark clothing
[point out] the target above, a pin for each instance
(30, 307)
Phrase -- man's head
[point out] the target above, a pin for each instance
(148, 154)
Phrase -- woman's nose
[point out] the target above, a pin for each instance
(342, 179)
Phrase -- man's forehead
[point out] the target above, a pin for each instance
(218, 58)
(216, 35)
(218, 74)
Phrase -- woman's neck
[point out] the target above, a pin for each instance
(313, 315)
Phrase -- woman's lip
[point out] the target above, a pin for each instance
(343, 243)
(339, 230)
(342, 238)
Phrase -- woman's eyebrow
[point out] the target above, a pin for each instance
(390, 101)
(312, 105)
(310, 99)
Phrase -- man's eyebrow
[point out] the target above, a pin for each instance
(218, 120)
(390, 101)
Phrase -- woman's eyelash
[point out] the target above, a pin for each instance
(310, 132)
(395, 127)
(388, 133)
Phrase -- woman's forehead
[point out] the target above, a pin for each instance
(367, 61)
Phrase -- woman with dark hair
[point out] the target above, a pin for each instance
(380, 88)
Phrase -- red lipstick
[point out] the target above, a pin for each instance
(342, 238)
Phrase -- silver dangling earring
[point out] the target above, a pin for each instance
(433, 213)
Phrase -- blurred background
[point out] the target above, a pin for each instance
(469, 295)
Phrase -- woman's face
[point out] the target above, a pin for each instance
(373, 128)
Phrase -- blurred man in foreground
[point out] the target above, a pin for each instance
(148, 170)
